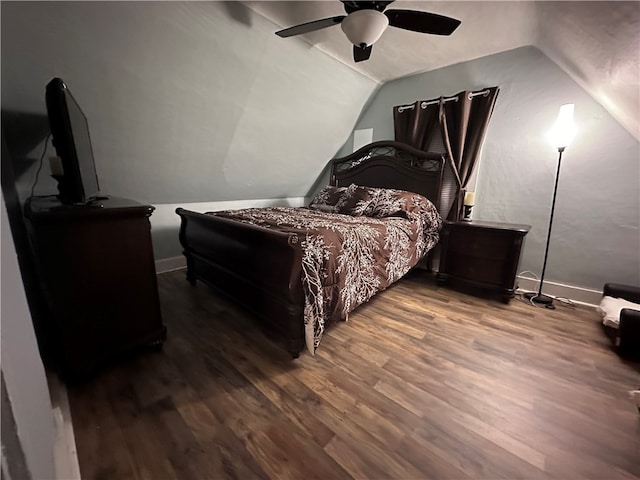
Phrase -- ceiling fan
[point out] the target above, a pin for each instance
(367, 20)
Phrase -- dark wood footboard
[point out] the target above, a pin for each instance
(256, 267)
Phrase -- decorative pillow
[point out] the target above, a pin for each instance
(387, 202)
(351, 200)
(323, 208)
(327, 198)
(356, 200)
(610, 308)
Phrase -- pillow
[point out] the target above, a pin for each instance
(323, 208)
(327, 198)
(356, 200)
(351, 200)
(611, 307)
(388, 202)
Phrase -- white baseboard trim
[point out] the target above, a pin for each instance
(583, 296)
(170, 264)
(164, 215)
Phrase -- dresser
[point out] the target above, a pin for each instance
(97, 273)
(481, 256)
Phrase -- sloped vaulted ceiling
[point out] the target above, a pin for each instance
(596, 43)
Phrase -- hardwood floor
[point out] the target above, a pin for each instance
(422, 382)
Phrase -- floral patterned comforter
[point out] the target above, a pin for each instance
(351, 249)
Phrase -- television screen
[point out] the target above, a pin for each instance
(70, 131)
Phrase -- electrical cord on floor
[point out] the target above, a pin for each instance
(567, 302)
(44, 151)
(521, 294)
(535, 276)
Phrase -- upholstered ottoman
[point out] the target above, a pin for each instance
(620, 308)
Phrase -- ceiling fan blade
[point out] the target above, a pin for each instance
(310, 26)
(423, 22)
(361, 54)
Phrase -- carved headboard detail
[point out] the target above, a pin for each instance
(390, 164)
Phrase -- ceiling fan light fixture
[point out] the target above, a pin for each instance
(364, 27)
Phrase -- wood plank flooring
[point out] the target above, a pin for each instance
(422, 382)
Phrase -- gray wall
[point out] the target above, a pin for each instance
(22, 369)
(596, 235)
(186, 102)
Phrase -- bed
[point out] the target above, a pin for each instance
(299, 270)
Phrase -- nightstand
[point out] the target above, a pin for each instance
(481, 255)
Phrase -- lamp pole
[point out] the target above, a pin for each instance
(539, 298)
(561, 134)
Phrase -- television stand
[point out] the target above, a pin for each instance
(97, 272)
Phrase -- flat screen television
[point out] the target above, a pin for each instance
(70, 130)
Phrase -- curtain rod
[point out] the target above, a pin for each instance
(424, 105)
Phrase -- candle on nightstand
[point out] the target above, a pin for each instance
(470, 198)
(55, 163)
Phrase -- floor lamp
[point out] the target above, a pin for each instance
(560, 135)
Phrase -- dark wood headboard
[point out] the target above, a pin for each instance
(389, 164)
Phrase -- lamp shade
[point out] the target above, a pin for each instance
(564, 129)
(364, 27)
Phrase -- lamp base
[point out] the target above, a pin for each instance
(540, 299)
(466, 213)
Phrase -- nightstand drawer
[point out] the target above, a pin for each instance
(482, 255)
(484, 244)
(480, 270)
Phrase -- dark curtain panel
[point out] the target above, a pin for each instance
(464, 123)
(416, 126)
